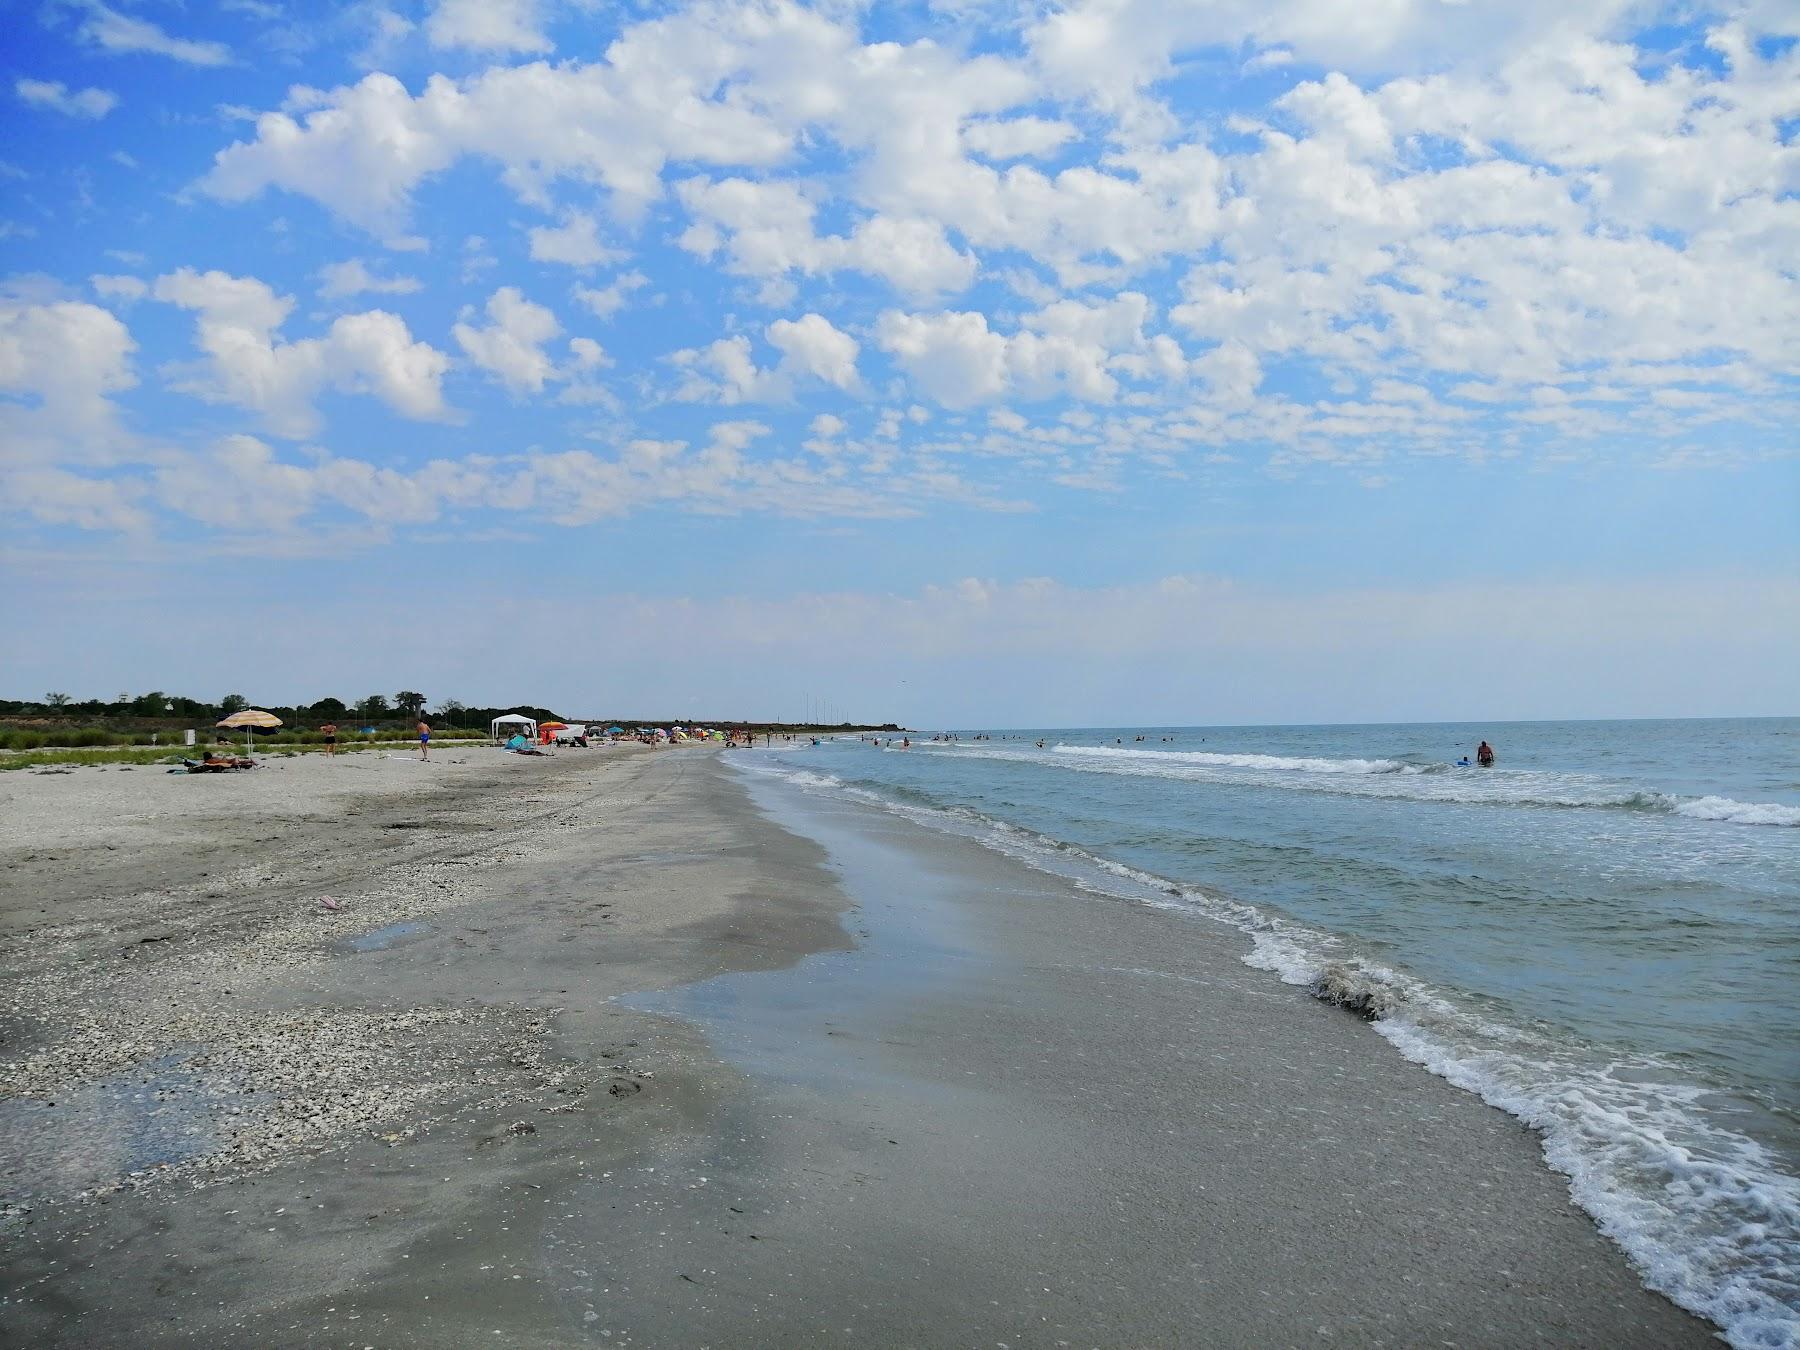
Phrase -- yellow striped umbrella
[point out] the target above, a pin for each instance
(250, 717)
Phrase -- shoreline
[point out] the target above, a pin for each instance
(1098, 1109)
(992, 1105)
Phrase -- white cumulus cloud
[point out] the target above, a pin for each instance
(1071, 347)
(658, 95)
(766, 230)
(1017, 137)
(248, 365)
(810, 345)
(91, 104)
(510, 347)
(353, 277)
(605, 301)
(116, 32)
(60, 364)
(575, 242)
(487, 25)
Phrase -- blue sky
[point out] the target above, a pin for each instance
(954, 362)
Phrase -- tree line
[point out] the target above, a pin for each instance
(157, 710)
(156, 705)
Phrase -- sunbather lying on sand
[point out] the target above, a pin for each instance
(211, 763)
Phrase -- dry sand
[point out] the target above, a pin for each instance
(1008, 1113)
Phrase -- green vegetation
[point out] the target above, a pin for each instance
(166, 754)
(13, 738)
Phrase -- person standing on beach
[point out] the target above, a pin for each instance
(329, 732)
(424, 739)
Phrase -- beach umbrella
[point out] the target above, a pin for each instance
(553, 726)
(615, 731)
(250, 717)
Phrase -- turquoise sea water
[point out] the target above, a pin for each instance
(1601, 934)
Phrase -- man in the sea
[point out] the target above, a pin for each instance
(1484, 755)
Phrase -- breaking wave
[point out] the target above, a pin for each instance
(1302, 764)
(1400, 779)
(1738, 813)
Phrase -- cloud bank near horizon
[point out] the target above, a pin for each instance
(1178, 650)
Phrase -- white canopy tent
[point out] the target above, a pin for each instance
(503, 726)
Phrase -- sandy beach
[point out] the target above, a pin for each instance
(618, 1048)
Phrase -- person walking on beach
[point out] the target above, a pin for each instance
(424, 739)
(329, 732)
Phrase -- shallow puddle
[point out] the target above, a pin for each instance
(380, 938)
(161, 1112)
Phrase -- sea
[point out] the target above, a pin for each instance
(1599, 935)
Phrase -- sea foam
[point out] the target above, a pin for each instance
(1297, 764)
(1738, 813)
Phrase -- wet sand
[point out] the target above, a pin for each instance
(985, 1108)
